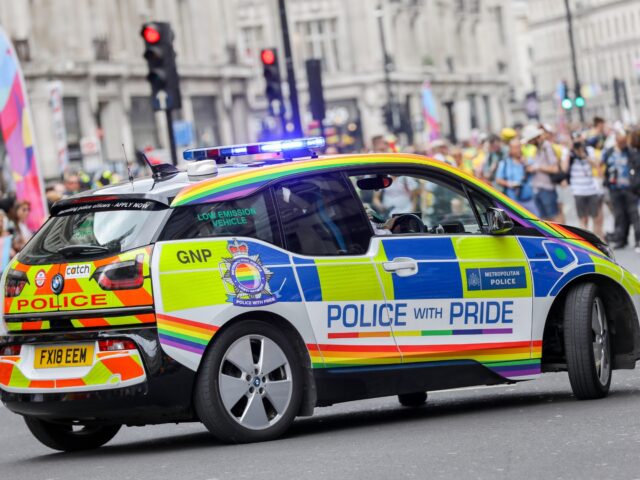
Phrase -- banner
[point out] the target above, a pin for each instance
(430, 113)
(15, 122)
(59, 129)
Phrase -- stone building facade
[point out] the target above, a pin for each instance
(607, 40)
(94, 49)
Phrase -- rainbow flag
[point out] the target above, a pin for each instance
(15, 122)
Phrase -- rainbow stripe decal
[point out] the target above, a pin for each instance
(185, 334)
(421, 333)
(249, 180)
(501, 357)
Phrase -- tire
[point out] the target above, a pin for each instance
(249, 387)
(416, 399)
(63, 437)
(587, 342)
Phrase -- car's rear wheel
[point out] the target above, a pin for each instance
(68, 437)
(587, 342)
(415, 399)
(249, 387)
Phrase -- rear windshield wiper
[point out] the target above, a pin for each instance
(82, 250)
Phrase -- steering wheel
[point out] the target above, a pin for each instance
(408, 223)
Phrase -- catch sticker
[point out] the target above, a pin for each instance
(496, 278)
(77, 271)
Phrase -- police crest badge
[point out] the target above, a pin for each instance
(245, 278)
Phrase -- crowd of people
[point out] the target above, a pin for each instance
(14, 229)
(595, 168)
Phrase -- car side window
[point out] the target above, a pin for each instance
(320, 216)
(252, 216)
(442, 207)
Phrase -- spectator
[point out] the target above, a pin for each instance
(584, 187)
(440, 151)
(462, 162)
(624, 201)
(19, 214)
(380, 145)
(6, 243)
(545, 164)
(515, 179)
(71, 184)
(401, 197)
(598, 134)
(495, 153)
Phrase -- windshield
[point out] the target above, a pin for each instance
(93, 233)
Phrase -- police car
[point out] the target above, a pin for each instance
(243, 294)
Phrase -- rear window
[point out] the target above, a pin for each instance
(95, 230)
(252, 216)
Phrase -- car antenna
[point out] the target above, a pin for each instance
(128, 166)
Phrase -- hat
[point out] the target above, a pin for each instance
(530, 132)
(508, 134)
(438, 143)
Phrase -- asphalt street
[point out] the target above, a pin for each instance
(529, 430)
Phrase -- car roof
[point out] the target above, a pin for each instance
(245, 181)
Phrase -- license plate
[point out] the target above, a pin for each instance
(64, 356)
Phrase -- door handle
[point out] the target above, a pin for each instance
(401, 266)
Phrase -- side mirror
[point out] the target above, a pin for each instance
(499, 221)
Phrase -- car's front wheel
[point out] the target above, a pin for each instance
(587, 342)
(249, 387)
(68, 437)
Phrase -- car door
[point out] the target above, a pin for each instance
(467, 294)
(337, 268)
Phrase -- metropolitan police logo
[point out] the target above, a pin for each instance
(474, 280)
(57, 283)
(245, 278)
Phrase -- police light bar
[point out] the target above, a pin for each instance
(293, 147)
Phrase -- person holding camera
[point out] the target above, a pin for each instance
(621, 177)
(584, 186)
(514, 176)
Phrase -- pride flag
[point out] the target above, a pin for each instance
(15, 122)
(430, 113)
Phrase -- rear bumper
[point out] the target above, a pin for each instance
(159, 391)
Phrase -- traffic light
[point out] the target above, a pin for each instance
(578, 100)
(316, 92)
(567, 104)
(273, 88)
(161, 60)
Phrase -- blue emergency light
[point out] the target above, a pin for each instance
(297, 147)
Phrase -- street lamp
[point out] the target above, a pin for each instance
(392, 106)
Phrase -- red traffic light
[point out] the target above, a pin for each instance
(150, 35)
(268, 57)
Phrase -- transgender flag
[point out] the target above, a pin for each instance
(15, 123)
(430, 113)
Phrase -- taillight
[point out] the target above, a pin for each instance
(10, 350)
(121, 276)
(15, 282)
(115, 345)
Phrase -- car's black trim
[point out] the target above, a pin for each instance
(105, 312)
(343, 384)
(165, 396)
